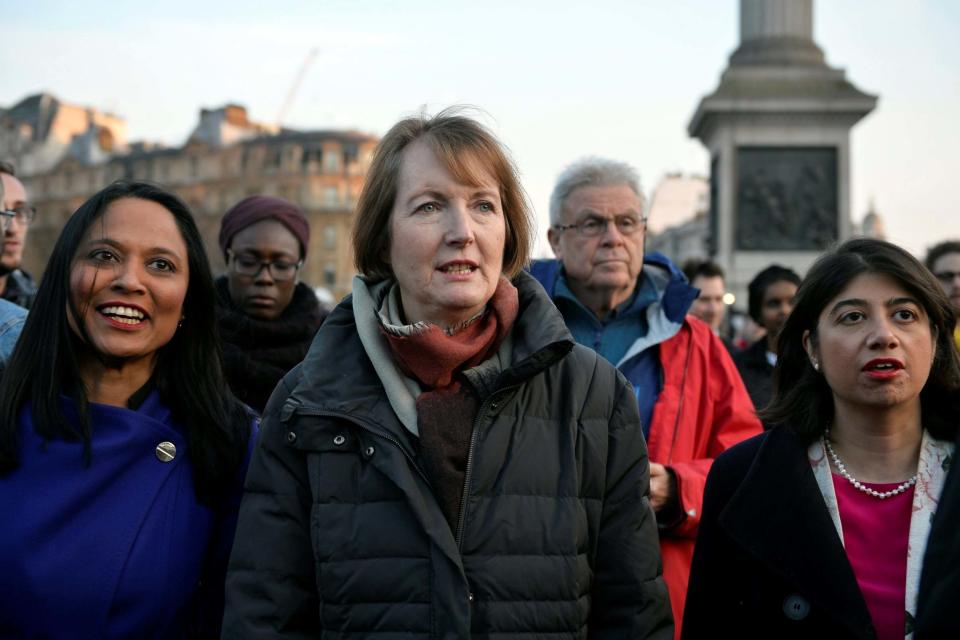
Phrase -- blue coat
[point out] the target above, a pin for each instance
(117, 549)
(12, 318)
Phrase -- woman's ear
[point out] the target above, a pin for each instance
(809, 345)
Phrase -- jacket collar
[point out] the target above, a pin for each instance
(665, 314)
(339, 377)
(675, 294)
(779, 517)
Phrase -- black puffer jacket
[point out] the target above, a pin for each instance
(340, 535)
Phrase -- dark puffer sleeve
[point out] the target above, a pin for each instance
(271, 586)
(629, 595)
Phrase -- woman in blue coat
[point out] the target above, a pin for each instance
(122, 451)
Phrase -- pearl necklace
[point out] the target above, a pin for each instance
(883, 495)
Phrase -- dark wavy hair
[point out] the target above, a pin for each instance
(802, 397)
(696, 267)
(757, 288)
(939, 250)
(188, 374)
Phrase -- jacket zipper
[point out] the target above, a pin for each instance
(462, 519)
(683, 385)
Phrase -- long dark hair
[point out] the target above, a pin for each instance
(188, 373)
(802, 397)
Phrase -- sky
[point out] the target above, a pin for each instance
(554, 80)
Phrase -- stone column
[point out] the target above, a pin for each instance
(778, 130)
(761, 19)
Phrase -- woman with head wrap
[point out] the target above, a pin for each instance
(267, 317)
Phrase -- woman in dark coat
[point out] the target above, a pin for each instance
(446, 463)
(770, 300)
(937, 615)
(267, 316)
(122, 450)
(817, 528)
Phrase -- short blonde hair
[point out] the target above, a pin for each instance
(456, 140)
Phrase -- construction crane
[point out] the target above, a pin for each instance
(292, 93)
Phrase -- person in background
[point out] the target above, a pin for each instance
(267, 317)
(16, 285)
(631, 308)
(122, 450)
(769, 300)
(12, 316)
(943, 260)
(447, 463)
(940, 577)
(707, 276)
(940, 581)
(817, 528)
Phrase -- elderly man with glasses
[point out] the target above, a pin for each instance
(632, 309)
(15, 217)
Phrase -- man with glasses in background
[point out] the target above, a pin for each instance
(15, 285)
(632, 309)
(12, 316)
(943, 260)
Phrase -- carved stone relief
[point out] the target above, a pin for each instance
(786, 198)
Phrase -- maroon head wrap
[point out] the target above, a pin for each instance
(253, 209)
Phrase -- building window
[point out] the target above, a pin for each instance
(331, 196)
(330, 238)
(331, 163)
(311, 160)
(274, 159)
(329, 275)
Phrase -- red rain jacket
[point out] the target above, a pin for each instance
(702, 410)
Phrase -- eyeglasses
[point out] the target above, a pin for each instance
(593, 227)
(24, 214)
(946, 277)
(250, 265)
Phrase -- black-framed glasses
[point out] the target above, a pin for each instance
(247, 264)
(595, 226)
(946, 277)
(24, 214)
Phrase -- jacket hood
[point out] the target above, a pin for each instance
(665, 316)
(675, 293)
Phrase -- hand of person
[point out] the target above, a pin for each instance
(663, 487)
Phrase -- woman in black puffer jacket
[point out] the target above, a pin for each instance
(446, 462)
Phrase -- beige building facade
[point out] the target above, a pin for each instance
(227, 158)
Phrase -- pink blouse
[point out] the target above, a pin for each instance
(876, 534)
